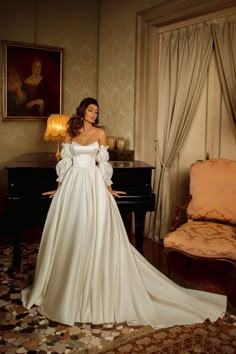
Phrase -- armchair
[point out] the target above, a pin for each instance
(209, 230)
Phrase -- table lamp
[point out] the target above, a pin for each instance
(56, 130)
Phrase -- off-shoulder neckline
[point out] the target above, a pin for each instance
(101, 146)
(84, 145)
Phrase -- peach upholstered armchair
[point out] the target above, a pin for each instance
(209, 232)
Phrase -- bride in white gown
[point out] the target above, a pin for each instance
(87, 270)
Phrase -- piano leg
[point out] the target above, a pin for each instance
(16, 256)
(14, 219)
(139, 229)
(26, 212)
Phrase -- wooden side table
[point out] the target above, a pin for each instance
(124, 155)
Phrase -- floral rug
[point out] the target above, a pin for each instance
(23, 331)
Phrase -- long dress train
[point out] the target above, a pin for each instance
(87, 270)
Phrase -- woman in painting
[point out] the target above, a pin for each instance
(35, 89)
(27, 97)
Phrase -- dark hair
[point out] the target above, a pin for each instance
(76, 122)
(37, 60)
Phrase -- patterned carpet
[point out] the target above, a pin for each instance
(23, 331)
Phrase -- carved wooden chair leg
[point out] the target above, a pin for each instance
(166, 263)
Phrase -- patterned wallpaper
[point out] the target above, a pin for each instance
(117, 65)
(74, 28)
(99, 60)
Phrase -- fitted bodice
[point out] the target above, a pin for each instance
(84, 155)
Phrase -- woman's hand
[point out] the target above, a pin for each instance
(50, 193)
(115, 193)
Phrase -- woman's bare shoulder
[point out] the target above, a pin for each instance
(102, 138)
(101, 132)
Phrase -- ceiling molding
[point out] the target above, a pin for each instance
(171, 11)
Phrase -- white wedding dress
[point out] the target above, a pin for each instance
(87, 270)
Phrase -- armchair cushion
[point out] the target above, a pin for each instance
(204, 239)
(213, 191)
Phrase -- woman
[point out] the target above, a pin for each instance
(35, 88)
(87, 271)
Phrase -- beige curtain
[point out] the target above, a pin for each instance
(185, 55)
(224, 34)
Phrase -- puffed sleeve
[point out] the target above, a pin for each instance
(103, 164)
(65, 163)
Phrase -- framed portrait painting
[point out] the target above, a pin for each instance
(32, 81)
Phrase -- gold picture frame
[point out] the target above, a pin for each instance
(32, 81)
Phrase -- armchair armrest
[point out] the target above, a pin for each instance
(180, 215)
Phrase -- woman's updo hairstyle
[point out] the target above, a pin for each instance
(76, 122)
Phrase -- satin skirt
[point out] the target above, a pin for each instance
(87, 270)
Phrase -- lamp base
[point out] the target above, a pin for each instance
(58, 154)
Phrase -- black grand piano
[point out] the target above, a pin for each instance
(33, 173)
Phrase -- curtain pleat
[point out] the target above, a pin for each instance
(224, 34)
(185, 55)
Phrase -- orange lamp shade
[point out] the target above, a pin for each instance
(56, 127)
